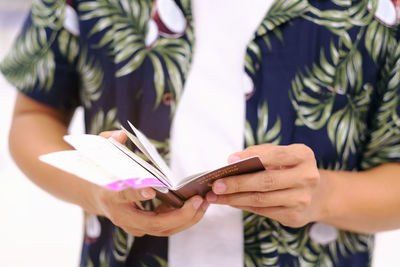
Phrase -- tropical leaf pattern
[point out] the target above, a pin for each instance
(282, 11)
(91, 78)
(123, 26)
(104, 121)
(122, 244)
(263, 133)
(326, 73)
(31, 63)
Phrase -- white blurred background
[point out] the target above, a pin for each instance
(37, 230)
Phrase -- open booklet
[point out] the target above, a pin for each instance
(108, 163)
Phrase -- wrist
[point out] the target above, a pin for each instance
(92, 198)
(321, 210)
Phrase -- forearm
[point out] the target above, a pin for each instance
(367, 201)
(36, 133)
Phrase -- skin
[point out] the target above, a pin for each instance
(295, 192)
(292, 190)
(41, 128)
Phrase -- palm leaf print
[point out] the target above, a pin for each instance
(187, 10)
(174, 54)
(32, 62)
(104, 258)
(263, 133)
(126, 24)
(68, 45)
(347, 125)
(385, 138)
(376, 40)
(253, 256)
(104, 122)
(123, 243)
(314, 95)
(253, 57)
(162, 262)
(48, 13)
(312, 111)
(89, 262)
(344, 3)
(91, 78)
(280, 12)
(340, 21)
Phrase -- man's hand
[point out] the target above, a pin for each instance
(121, 208)
(286, 191)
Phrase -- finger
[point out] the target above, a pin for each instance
(262, 181)
(276, 155)
(157, 224)
(118, 135)
(136, 195)
(197, 217)
(286, 197)
(163, 208)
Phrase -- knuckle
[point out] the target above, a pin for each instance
(267, 182)
(313, 178)
(251, 149)
(257, 198)
(236, 185)
(304, 200)
(305, 151)
(293, 220)
(115, 219)
(280, 155)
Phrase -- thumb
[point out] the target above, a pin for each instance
(118, 135)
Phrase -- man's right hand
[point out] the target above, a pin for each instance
(120, 208)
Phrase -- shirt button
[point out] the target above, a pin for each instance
(323, 234)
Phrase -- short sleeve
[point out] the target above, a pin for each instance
(384, 141)
(41, 63)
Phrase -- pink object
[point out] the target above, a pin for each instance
(134, 183)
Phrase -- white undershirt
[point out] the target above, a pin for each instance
(209, 124)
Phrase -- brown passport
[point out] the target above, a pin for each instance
(177, 190)
(110, 164)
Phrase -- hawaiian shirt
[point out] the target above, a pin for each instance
(322, 73)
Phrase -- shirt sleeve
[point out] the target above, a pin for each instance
(384, 142)
(41, 63)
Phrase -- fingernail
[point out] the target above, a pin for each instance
(205, 205)
(146, 194)
(233, 158)
(116, 135)
(219, 187)
(197, 203)
(211, 197)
